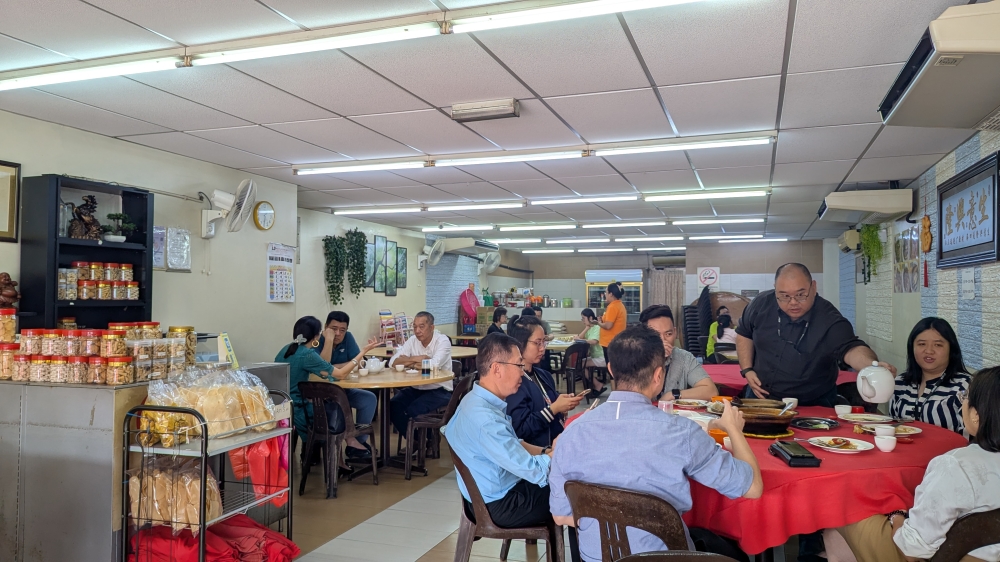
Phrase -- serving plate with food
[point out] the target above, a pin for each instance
(866, 418)
(687, 404)
(815, 424)
(844, 445)
(901, 430)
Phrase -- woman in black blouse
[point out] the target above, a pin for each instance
(499, 319)
(935, 374)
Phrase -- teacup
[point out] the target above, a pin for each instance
(885, 443)
(885, 431)
(400, 368)
(363, 372)
(727, 443)
(842, 410)
(793, 401)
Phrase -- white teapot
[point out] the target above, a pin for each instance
(374, 364)
(876, 384)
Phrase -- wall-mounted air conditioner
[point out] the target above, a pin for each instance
(867, 207)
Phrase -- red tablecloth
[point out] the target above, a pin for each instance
(845, 489)
(729, 375)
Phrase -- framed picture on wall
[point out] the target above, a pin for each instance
(10, 190)
(380, 264)
(390, 269)
(369, 265)
(401, 268)
(967, 216)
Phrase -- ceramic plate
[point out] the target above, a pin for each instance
(824, 443)
(866, 418)
(901, 430)
(412, 372)
(815, 424)
(690, 404)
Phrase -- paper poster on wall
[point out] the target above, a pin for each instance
(968, 284)
(159, 247)
(178, 249)
(708, 276)
(280, 273)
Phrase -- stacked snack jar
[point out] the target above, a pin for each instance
(22, 368)
(66, 323)
(39, 368)
(96, 370)
(86, 290)
(7, 353)
(77, 369)
(72, 276)
(126, 273)
(176, 366)
(159, 369)
(8, 325)
(143, 369)
(82, 271)
(96, 271)
(90, 342)
(190, 341)
(113, 344)
(151, 330)
(119, 371)
(72, 290)
(119, 290)
(140, 350)
(61, 291)
(133, 331)
(61, 275)
(104, 290)
(132, 290)
(71, 343)
(52, 342)
(111, 271)
(176, 347)
(31, 341)
(58, 369)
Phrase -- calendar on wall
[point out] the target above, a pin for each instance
(280, 273)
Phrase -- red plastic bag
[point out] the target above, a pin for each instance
(266, 472)
(238, 461)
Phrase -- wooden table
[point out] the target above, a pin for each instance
(456, 352)
(381, 383)
(466, 337)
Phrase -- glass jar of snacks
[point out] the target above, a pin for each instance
(61, 275)
(161, 350)
(96, 370)
(82, 271)
(176, 366)
(190, 341)
(8, 325)
(113, 344)
(158, 370)
(143, 369)
(31, 341)
(71, 343)
(72, 290)
(22, 368)
(104, 290)
(132, 290)
(39, 368)
(58, 369)
(133, 331)
(61, 291)
(119, 371)
(111, 271)
(140, 350)
(120, 326)
(119, 290)
(66, 323)
(77, 366)
(126, 273)
(52, 342)
(7, 353)
(96, 271)
(176, 347)
(86, 290)
(90, 342)
(151, 330)
(72, 276)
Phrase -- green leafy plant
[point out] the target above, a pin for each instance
(335, 253)
(354, 244)
(122, 225)
(871, 246)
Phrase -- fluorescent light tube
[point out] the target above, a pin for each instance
(476, 207)
(716, 221)
(669, 147)
(361, 168)
(556, 13)
(456, 228)
(499, 241)
(388, 35)
(547, 251)
(91, 72)
(585, 200)
(377, 211)
(625, 224)
(758, 240)
(706, 194)
(662, 249)
(526, 228)
(605, 250)
(650, 239)
(578, 241)
(725, 237)
(510, 158)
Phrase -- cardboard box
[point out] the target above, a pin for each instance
(481, 329)
(484, 314)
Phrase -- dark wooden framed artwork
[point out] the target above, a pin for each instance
(10, 194)
(967, 216)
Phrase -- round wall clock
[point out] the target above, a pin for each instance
(263, 215)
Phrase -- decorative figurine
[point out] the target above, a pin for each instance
(8, 291)
(85, 226)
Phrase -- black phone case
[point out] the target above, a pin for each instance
(777, 449)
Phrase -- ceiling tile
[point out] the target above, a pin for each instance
(324, 13)
(533, 189)
(735, 207)
(913, 141)
(893, 168)
(800, 193)
(650, 212)
(478, 191)
(704, 41)
(201, 149)
(332, 80)
(587, 212)
(503, 172)
(843, 142)
(573, 167)
(851, 33)
(319, 199)
(323, 182)
(378, 179)
(128, 97)
(795, 228)
(372, 197)
(801, 208)
(807, 216)
(424, 194)
(813, 234)
(547, 56)
(233, 92)
(17, 54)
(272, 144)
(536, 127)
(836, 97)
(462, 71)
(598, 185)
(811, 173)
(685, 209)
(664, 181)
(435, 175)
(731, 106)
(429, 131)
(654, 162)
(731, 157)
(40, 105)
(75, 29)
(751, 176)
(346, 137)
(539, 214)
(614, 116)
(194, 22)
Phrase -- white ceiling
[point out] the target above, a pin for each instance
(718, 66)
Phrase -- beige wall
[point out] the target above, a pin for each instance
(763, 257)
(548, 266)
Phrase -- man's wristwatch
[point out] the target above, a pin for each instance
(743, 372)
(545, 450)
(676, 393)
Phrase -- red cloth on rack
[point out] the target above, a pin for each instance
(247, 537)
(158, 544)
(266, 473)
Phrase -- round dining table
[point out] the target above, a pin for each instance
(844, 489)
(728, 375)
(456, 352)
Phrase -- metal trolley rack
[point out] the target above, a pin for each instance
(237, 495)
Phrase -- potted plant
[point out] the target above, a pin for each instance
(121, 228)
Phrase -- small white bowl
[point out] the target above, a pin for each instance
(727, 443)
(885, 431)
(400, 368)
(363, 372)
(842, 410)
(793, 401)
(885, 443)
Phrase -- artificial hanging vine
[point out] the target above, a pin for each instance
(871, 246)
(355, 242)
(335, 252)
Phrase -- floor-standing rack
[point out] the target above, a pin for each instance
(238, 496)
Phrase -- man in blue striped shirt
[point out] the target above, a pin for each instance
(511, 475)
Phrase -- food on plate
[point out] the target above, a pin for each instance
(900, 429)
(690, 403)
(836, 443)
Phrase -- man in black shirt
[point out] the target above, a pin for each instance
(791, 342)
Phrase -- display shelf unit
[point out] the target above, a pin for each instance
(238, 496)
(43, 251)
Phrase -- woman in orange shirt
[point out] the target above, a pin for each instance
(613, 321)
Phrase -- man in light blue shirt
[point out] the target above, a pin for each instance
(511, 475)
(644, 449)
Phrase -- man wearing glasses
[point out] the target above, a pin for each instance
(790, 342)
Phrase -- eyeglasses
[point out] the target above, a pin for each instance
(962, 395)
(785, 299)
(539, 343)
(520, 365)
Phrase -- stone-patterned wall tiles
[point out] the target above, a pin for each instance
(878, 297)
(847, 281)
(445, 282)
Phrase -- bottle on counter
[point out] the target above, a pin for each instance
(7, 353)
(113, 344)
(39, 368)
(58, 369)
(22, 368)
(90, 342)
(119, 371)
(31, 341)
(77, 366)
(8, 325)
(96, 370)
(126, 273)
(96, 271)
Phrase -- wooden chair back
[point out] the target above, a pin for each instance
(970, 532)
(319, 392)
(676, 556)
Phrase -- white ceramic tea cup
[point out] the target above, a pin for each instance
(793, 401)
(400, 368)
(842, 409)
(363, 372)
(727, 443)
(885, 430)
(885, 443)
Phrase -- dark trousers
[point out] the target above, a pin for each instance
(411, 402)
(828, 400)
(525, 505)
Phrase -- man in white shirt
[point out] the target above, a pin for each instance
(426, 343)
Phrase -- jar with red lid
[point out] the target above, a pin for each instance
(127, 273)
(119, 290)
(22, 368)
(39, 371)
(71, 343)
(104, 290)
(90, 342)
(119, 371)
(132, 290)
(7, 353)
(150, 330)
(96, 370)
(31, 341)
(66, 323)
(86, 290)
(52, 342)
(8, 325)
(111, 271)
(58, 369)
(96, 271)
(113, 344)
(77, 369)
(82, 270)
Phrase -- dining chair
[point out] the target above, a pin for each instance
(321, 438)
(575, 363)
(483, 526)
(968, 533)
(419, 427)
(618, 508)
(676, 556)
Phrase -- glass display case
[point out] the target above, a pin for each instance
(631, 280)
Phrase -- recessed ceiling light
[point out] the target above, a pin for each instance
(472, 228)
(556, 13)
(650, 239)
(499, 241)
(529, 227)
(578, 241)
(371, 167)
(706, 194)
(662, 249)
(716, 221)
(487, 206)
(681, 145)
(725, 236)
(547, 251)
(509, 158)
(607, 199)
(625, 224)
(759, 240)
(377, 211)
(605, 250)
